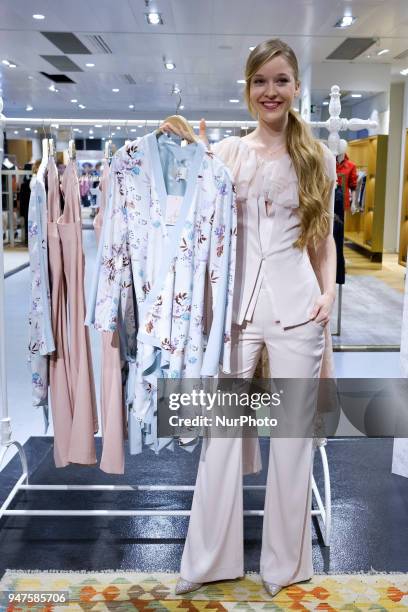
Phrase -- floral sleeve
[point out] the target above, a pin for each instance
(114, 274)
(221, 266)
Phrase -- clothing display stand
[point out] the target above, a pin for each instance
(323, 510)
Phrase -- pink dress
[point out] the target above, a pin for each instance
(112, 393)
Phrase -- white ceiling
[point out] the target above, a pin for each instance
(208, 41)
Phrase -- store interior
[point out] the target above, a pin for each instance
(92, 77)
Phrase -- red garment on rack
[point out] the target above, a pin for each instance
(348, 169)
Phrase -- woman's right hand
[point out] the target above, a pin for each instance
(169, 127)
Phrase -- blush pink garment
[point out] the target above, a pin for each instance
(59, 375)
(84, 411)
(112, 394)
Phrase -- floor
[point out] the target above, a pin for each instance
(369, 530)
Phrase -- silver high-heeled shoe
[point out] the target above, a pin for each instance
(185, 586)
(271, 588)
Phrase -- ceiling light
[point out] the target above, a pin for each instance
(140, 126)
(29, 108)
(55, 125)
(53, 88)
(104, 138)
(345, 21)
(115, 90)
(5, 62)
(82, 106)
(131, 106)
(27, 129)
(16, 131)
(170, 65)
(154, 18)
(404, 72)
(234, 101)
(74, 100)
(228, 131)
(251, 48)
(356, 95)
(77, 130)
(182, 107)
(133, 130)
(91, 137)
(325, 103)
(118, 127)
(91, 131)
(98, 125)
(30, 77)
(35, 131)
(38, 16)
(241, 81)
(383, 51)
(12, 65)
(90, 65)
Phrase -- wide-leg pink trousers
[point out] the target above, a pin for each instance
(214, 545)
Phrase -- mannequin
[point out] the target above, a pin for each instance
(349, 169)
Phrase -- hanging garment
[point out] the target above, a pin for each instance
(358, 197)
(41, 341)
(60, 380)
(338, 234)
(349, 170)
(160, 248)
(113, 406)
(24, 201)
(84, 411)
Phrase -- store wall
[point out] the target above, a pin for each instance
(22, 149)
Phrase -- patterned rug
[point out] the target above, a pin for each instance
(129, 591)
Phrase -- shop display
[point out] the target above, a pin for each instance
(403, 241)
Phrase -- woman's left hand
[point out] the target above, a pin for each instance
(322, 309)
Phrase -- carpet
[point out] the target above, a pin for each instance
(126, 591)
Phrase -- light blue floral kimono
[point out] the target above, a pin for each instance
(41, 341)
(151, 275)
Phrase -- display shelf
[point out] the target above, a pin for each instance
(403, 245)
(366, 229)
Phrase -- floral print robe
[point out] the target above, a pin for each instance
(151, 278)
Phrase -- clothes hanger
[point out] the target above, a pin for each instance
(180, 126)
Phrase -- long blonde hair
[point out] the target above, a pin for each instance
(305, 151)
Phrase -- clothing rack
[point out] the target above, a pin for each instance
(323, 511)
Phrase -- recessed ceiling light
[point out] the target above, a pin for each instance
(91, 137)
(182, 107)
(228, 131)
(356, 95)
(29, 108)
(383, 51)
(325, 103)
(241, 81)
(91, 131)
(234, 101)
(74, 100)
(30, 77)
(77, 130)
(154, 18)
(345, 21)
(133, 130)
(38, 16)
(140, 126)
(98, 125)
(251, 48)
(104, 138)
(27, 129)
(131, 106)
(12, 65)
(404, 72)
(115, 90)
(16, 131)
(170, 65)
(82, 106)
(118, 127)
(35, 131)
(5, 62)
(90, 65)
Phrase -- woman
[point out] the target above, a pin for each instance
(284, 180)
